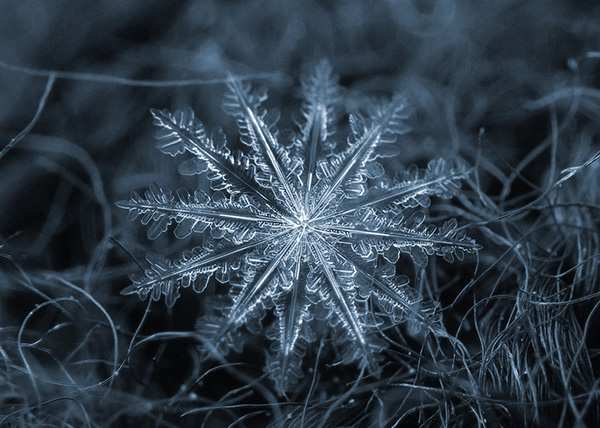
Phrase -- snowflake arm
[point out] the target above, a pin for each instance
(445, 242)
(292, 305)
(165, 277)
(351, 166)
(321, 94)
(256, 134)
(195, 212)
(181, 132)
(392, 291)
(415, 188)
(252, 293)
(340, 295)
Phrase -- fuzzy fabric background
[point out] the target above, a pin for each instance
(509, 87)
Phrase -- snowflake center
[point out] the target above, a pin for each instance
(303, 221)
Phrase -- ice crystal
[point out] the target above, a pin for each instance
(311, 229)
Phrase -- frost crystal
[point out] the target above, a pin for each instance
(312, 229)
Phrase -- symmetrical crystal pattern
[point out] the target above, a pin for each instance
(311, 229)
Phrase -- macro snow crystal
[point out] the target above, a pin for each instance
(310, 229)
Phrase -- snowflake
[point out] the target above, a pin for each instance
(311, 229)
